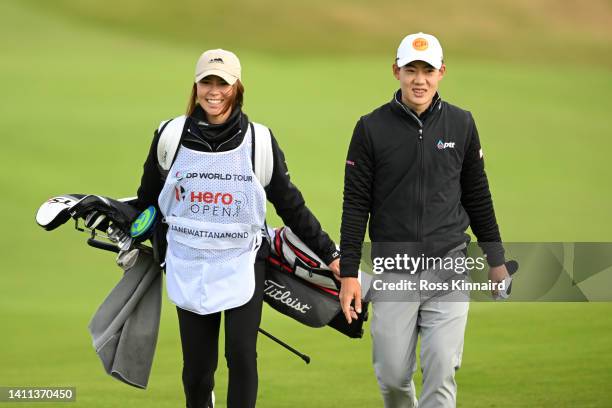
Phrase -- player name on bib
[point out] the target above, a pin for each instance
(209, 234)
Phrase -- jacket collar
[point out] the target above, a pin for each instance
(220, 137)
(400, 106)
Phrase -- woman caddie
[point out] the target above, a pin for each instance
(215, 257)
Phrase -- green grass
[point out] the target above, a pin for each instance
(505, 30)
(75, 91)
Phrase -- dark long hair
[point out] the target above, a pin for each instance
(236, 99)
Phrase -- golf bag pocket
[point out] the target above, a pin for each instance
(296, 298)
(307, 302)
(318, 276)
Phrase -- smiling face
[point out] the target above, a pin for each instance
(419, 83)
(214, 95)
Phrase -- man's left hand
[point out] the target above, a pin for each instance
(497, 274)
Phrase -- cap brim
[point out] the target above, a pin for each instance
(230, 79)
(403, 61)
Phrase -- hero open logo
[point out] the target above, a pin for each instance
(445, 145)
(212, 203)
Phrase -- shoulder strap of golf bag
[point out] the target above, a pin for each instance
(171, 131)
(263, 160)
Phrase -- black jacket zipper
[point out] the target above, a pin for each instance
(420, 204)
(200, 139)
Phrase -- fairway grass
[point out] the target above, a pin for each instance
(79, 108)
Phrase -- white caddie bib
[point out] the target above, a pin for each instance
(215, 209)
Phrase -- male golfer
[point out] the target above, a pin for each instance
(415, 169)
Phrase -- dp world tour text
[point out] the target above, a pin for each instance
(218, 176)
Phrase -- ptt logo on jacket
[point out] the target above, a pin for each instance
(445, 145)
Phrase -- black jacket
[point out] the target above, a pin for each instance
(418, 179)
(281, 192)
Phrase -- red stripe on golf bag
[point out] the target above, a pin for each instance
(279, 263)
(277, 244)
(331, 292)
(311, 262)
(288, 268)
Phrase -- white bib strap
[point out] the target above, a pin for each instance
(170, 133)
(264, 160)
(169, 139)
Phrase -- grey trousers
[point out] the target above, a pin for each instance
(395, 328)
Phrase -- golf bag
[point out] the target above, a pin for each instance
(299, 285)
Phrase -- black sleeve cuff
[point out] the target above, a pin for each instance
(348, 269)
(332, 255)
(495, 253)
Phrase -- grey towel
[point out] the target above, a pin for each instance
(124, 329)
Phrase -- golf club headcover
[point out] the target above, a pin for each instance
(143, 226)
(117, 212)
(56, 210)
(99, 220)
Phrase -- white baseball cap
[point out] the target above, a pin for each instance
(420, 47)
(222, 63)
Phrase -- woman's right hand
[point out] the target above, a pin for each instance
(335, 268)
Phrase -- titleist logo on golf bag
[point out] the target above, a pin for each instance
(278, 292)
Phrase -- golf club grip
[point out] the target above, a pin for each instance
(102, 245)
